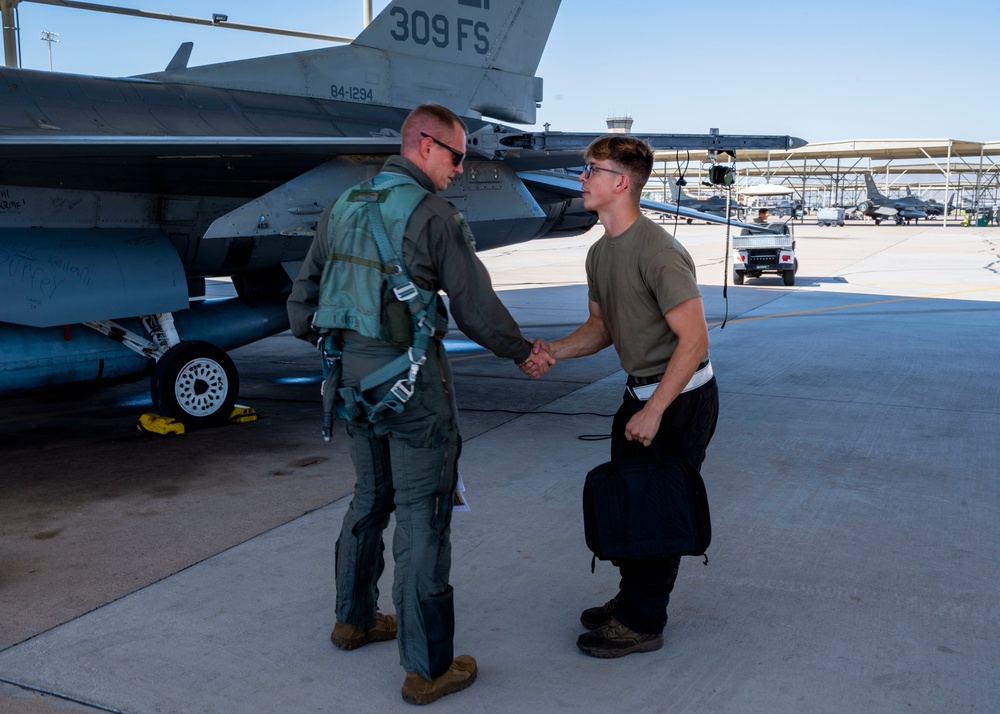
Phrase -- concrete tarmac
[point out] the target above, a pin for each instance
(852, 481)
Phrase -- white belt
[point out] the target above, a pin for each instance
(700, 378)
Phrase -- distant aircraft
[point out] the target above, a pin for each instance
(793, 209)
(933, 208)
(120, 197)
(714, 205)
(879, 206)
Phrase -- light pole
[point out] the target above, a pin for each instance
(50, 37)
(8, 11)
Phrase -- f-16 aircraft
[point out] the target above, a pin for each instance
(932, 207)
(879, 206)
(714, 205)
(119, 197)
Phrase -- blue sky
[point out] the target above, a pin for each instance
(821, 71)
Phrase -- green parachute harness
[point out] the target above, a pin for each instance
(354, 298)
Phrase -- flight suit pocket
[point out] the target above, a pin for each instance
(397, 323)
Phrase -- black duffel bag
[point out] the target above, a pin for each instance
(640, 506)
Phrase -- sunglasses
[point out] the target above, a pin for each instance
(588, 169)
(457, 156)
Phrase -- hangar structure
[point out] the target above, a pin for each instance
(962, 174)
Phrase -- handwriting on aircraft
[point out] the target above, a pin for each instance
(120, 197)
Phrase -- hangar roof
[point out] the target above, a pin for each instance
(880, 149)
(837, 160)
(928, 163)
(781, 168)
(883, 149)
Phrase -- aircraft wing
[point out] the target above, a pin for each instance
(235, 166)
(766, 189)
(699, 215)
(527, 151)
(239, 166)
(567, 184)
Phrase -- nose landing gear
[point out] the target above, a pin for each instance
(196, 383)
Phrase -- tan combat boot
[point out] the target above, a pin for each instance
(461, 674)
(350, 637)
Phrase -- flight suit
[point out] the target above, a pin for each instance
(407, 461)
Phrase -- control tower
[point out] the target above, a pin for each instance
(620, 125)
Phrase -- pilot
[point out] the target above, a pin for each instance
(762, 215)
(395, 389)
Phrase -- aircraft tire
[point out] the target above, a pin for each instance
(196, 383)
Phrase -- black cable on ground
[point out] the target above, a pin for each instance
(725, 258)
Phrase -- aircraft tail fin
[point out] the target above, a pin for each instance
(505, 35)
(676, 192)
(873, 193)
(476, 57)
(181, 57)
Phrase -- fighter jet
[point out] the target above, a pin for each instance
(879, 206)
(932, 207)
(714, 205)
(120, 197)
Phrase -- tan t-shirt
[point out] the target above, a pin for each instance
(636, 278)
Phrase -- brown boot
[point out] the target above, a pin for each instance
(594, 617)
(615, 640)
(461, 674)
(350, 637)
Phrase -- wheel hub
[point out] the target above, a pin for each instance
(201, 387)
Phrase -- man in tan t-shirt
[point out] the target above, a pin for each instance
(644, 300)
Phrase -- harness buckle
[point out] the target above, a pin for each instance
(415, 365)
(330, 358)
(402, 390)
(425, 325)
(406, 293)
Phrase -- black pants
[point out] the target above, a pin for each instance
(685, 430)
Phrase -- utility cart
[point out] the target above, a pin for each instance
(767, 249)
(830, 217)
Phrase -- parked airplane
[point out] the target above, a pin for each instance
(878, 206)
(119, 197)
(794, 209)
(933, 207)
(714, 205)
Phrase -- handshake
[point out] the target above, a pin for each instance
(539, 360)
